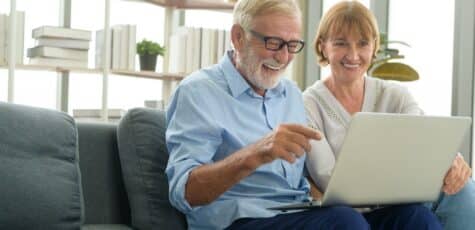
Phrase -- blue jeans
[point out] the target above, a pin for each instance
(457, 212)
(400, 217)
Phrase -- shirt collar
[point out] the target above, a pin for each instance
(238, 84)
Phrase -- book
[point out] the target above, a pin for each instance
(206, 47)
(116, 47)
(63, 43)
(154, 104)
(3, 33)
(61, 32)
(196, 52)
(220, 44)
(97, 113)
(123, 47)
(19, 36)
(57, 62)
(99, 55)
(192, 50)
(124, 43)
(227, 41)
(55, 52)
(213, 46)
(132, 47)
(127, 46)
(177, 52)
(189, 49)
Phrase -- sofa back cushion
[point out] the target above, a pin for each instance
(39, 168)
(144, 156)
(105, 200)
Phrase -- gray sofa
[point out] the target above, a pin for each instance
(57, 174)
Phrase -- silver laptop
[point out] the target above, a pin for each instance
(392, 159)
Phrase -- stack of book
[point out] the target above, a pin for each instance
(123, 47)
(59, 46)
(19, 37)
(195, 48)
(154, 104)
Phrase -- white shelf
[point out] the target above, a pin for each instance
(168, 79)
(151, 75)
(54, 68)
(193, 4)
(138, 74)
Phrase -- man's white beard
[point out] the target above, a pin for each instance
(252, 67)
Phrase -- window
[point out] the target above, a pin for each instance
(123, 92)
(85, 91)
(431, 52)
(4, 6)
(128, 92)
(329, 3)
(194, 18)
(3, 85)
(36, 88)
(39, 88)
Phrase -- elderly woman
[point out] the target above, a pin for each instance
(347, 40)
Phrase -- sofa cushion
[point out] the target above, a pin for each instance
(105, 227)
(39, 169)
(144, 156)
(105, 200)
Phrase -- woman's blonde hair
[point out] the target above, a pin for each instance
(246, 10)
(346, 17)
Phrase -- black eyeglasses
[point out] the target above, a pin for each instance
(276, 43)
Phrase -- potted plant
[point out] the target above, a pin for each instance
(148, 52)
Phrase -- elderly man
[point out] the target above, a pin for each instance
(237, 137)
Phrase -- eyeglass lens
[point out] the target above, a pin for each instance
(277, 44)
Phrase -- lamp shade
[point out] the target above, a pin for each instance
(393, 71)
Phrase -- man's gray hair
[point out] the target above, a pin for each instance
(246, 10)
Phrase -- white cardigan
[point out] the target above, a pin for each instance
(326, 114)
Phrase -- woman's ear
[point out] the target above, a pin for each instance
(237, 37)
(321, 47)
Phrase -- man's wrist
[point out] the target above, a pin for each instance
(250, 159)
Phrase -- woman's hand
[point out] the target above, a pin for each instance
(314, 191)
(457, 176)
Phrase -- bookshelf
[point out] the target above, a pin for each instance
(173, 12)
(128, 73)
(193, 4)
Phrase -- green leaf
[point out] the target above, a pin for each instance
(149, 47)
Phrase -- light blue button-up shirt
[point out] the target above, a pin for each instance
(214, 113)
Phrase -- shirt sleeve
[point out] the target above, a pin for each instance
(409, 104)
(311, 110)
(320, 160)
(192, 140)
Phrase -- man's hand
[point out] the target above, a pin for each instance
(207, 182)
(457, 176)
(287, 141)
